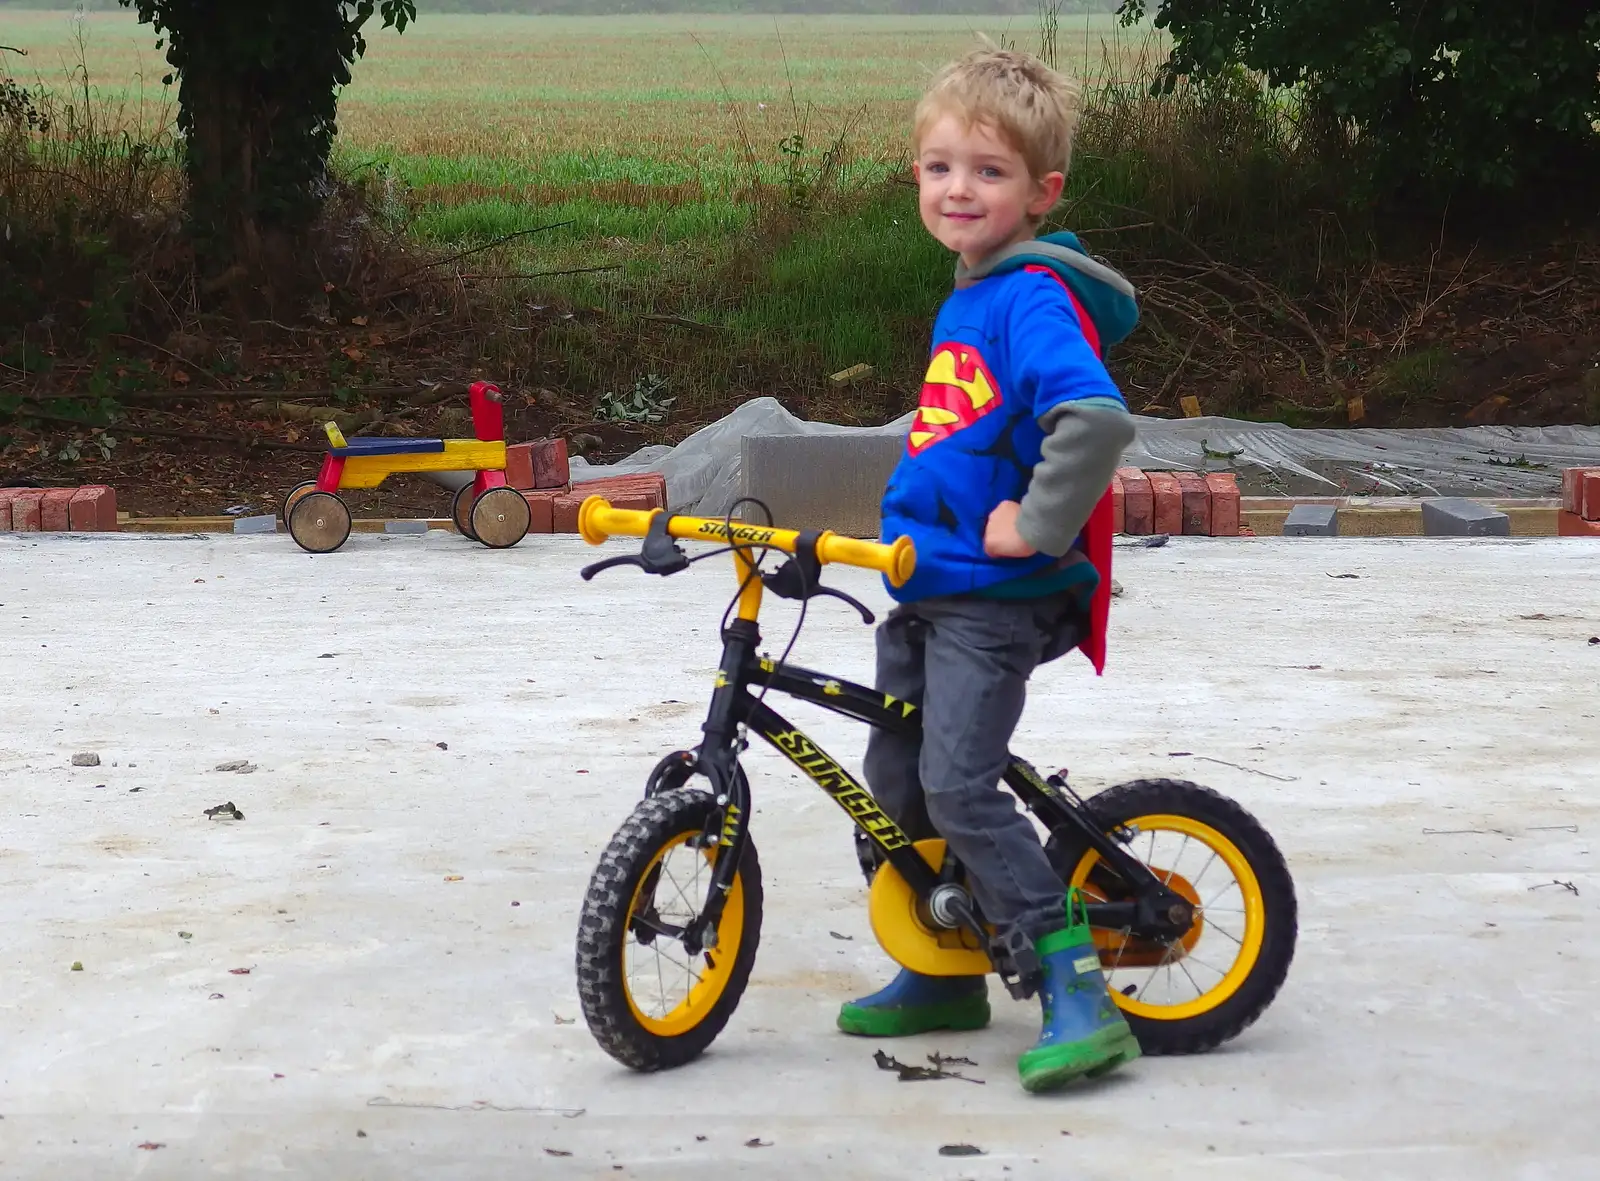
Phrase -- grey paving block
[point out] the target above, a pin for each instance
(1312, 520)
(266, 524)
(820, 481)
(405, 526)
(1456, 516)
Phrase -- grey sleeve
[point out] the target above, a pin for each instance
(1083, 445)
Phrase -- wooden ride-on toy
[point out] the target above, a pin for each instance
(486, 510)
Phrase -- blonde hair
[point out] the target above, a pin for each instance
(1032, 107)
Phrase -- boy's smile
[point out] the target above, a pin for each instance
(976, 194)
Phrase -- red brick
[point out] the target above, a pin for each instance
(25, 510)
(1196, 503)
(94, 509)
(1572, 525)
(1168, 495)
(1224, 503)
(1119, 507)
(1572, 490)
(541, 506)
(645, 491)
(1590, 490)
(6, 496)
(550, 467)
(1138, 502)
(55, 510)
(519, 466)
(653, 481)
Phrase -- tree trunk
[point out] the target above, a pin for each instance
(257, 110)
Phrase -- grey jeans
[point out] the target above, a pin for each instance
(966, 663)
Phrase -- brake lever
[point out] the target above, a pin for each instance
(867, 616)
(801, 578)
(659, 554)
(589, 572)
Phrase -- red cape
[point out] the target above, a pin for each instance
(1097, 545)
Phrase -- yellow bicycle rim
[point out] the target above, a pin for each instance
(703, 978)
(1252, 904)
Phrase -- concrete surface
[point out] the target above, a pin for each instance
(1421, 739)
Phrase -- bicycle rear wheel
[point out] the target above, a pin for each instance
(648, 1002)
(1190, 994)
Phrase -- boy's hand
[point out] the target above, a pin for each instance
(1000, 536)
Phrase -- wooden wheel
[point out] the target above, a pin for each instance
(319, 522)
(294, 496)
(461, 512)
(500, 518)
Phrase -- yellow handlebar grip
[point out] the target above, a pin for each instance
(335, 435)
(896, 561)
(597, 520)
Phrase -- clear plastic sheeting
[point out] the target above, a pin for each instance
(1273, 459)
(703, 471)
(703, 476)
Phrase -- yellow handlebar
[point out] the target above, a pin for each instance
(597, 520)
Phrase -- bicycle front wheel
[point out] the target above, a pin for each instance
(649, 1003)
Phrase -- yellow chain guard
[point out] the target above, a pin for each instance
(911, 942)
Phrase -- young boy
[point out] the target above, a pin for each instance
(1018, 434)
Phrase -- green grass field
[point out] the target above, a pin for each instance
(658, 140)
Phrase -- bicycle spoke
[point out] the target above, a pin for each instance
(1195, 881)
(1221, 931)
(667, 873)
(1173, 871)
(1166, 962)
(1122, 948)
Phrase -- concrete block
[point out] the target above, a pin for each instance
(1312, 520)
(262, 524)
(820, 481)
(1456, 516)
(405, 526)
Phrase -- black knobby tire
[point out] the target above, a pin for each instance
(1127, 802)
(604, 931)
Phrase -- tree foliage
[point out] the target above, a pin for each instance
(1492, 93)
(258, 86)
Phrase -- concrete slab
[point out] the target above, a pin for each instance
(420, 710)
(1456, 516)
(1312, 520)
(820, 481)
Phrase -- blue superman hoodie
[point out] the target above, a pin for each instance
(1023, 338)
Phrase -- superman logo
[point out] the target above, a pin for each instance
(958, 390)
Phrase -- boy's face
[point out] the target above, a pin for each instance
(976, 193)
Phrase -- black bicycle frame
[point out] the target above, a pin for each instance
(742, 680)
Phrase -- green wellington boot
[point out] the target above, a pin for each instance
(1085, 1034)
(914, 1003)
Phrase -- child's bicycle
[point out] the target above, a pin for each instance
(1192, 906)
